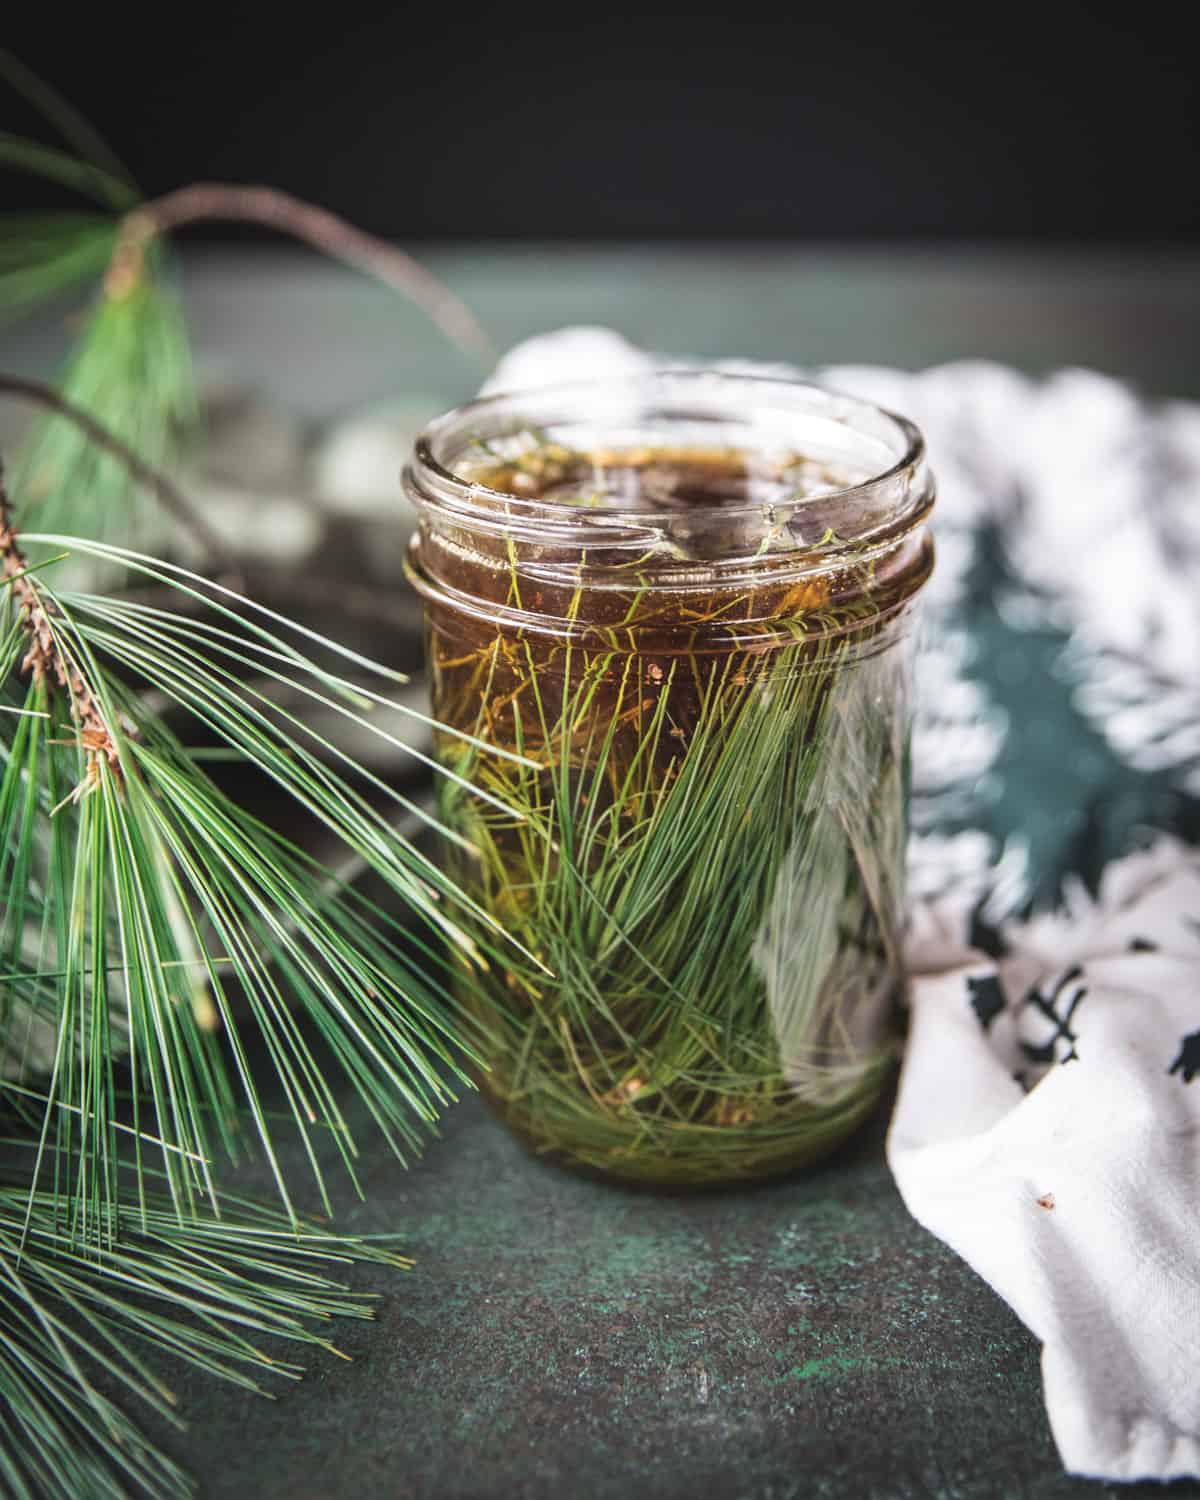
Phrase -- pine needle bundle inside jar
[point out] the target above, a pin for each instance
(685, 601)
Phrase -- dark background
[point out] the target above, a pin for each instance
(842, 123)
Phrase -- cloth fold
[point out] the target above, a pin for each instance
(1048, 1129)
(1047, 1126)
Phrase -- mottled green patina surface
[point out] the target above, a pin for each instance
(564, 1338)
(559, 1337)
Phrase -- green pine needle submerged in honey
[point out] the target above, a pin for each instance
(704, 863)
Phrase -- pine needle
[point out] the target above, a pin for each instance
(77, 132)
(17, 154)
(131, 373)
(44, 256)
(226, 1296)
(150, 895)
(154, 932)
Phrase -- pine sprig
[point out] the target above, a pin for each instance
(99, 441)
(44, 256)
(154, 934)
(75, 173)
(131, 372)
(151, 895)
(77, 132)
(158, 939)
(131, 366)
(220, 1294)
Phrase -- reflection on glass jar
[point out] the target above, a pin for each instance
(669, 620)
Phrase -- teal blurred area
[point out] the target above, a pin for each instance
(325, 341)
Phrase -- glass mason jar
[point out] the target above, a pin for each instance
(669, 623)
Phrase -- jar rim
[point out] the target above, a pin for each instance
(435, 477)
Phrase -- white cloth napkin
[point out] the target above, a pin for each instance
(1048, 1119)
(1048, 1129)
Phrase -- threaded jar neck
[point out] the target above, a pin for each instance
(613, 503)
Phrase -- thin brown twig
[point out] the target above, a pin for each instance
(45, 659)
(315, 226)
(168, 494)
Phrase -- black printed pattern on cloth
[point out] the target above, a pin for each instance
(1057, 1009)
(1187, 1064)
(986, 997)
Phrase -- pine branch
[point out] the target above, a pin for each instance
(144, 911)
(21, 155)
(324, 231)
(79, 133)
(159, 898)
(217, 1294)
(44, 657)
(146, 915)
(131, 367)
(130, 373)
(44, 255)
(165, 492)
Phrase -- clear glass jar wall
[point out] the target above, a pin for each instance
(669, 624)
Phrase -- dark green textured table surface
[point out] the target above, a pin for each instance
(563, 1338)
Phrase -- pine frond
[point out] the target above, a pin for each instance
(77, 1328)
(42, 256)
(144, 892)
(131, 368)
(17, 154)
(162, 947)
(76, 130)
(131, 371)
